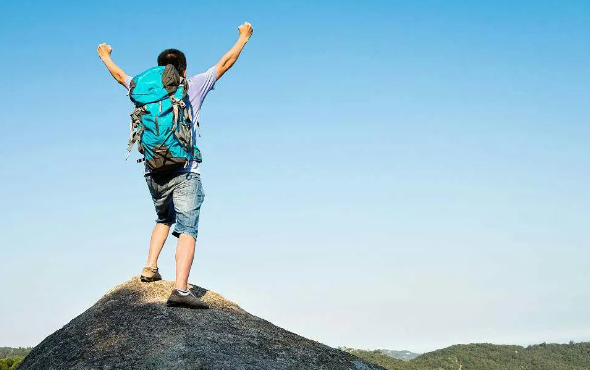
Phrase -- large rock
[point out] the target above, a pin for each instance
(131, 328)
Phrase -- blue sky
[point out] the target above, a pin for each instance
(378, 174)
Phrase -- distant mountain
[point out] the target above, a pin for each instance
(400, 355)
(572, 356)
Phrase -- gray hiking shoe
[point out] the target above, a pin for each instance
(149, 275)
(189, 301)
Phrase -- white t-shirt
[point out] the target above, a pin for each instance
(198, 87)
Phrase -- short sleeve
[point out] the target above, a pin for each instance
(199, 85)
(128, 82)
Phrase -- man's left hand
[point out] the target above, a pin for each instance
(104, 51)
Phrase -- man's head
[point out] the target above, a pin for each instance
(174, 57)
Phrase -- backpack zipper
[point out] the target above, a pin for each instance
(156, 120)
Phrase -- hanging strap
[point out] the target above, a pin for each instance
(178, 106)
(184, 84)
(188, 116)
(135, 130)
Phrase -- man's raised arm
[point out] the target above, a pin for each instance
(104, 52)
(228, 60)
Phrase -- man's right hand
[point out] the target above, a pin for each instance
(245, 30)
(104, 51)
(228, 60)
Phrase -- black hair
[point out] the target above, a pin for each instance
(174, 57)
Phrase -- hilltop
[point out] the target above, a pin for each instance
(131, 328)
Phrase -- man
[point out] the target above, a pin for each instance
(178, 195)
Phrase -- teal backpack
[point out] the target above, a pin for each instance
(161, 121)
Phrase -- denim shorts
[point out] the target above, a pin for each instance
(177, 198)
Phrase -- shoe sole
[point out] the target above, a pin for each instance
(148, 280)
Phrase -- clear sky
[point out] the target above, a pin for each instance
(378, 174)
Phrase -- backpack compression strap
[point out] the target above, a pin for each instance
(187, 112)
(134, 131)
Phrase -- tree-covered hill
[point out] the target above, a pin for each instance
(6, 352)
(573, 356)
(378, 358)
(10, 363)
(11, 357)
(400, 355)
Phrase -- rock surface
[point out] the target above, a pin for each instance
(131, 328)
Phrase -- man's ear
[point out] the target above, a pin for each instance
(184, 74)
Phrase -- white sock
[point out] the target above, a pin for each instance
(183, 292)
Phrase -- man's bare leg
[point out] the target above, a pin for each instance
(185, 252)
(159, 236)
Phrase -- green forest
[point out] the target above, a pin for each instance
(10, 363)
(11, 357)
(572, 356)
(6, 352)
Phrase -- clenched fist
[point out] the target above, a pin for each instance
(245, 30)
(104, 50)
